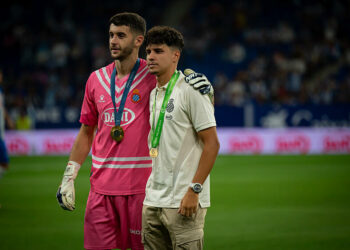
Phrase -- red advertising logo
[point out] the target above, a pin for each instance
(58, 146)
(290, 143)
(18, 146)
(336, 145)
(246, 144)
(108, 118)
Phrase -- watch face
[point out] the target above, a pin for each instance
(197, 188)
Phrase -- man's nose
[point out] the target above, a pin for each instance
(150, 56)
(114, 39)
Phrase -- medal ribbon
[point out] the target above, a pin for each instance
(155, 136)
(118, 115)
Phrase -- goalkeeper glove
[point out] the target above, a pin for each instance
(199, 82)
(66, 193)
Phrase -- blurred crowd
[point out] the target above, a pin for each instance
(48, 49)
(288, 52)
(283, 52)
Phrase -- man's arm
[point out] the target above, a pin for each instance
(189, 204)
(81, 148)
(82, 144)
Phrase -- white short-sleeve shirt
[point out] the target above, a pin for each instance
(179, 149)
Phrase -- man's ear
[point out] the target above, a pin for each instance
(176, 55)
(139, 40)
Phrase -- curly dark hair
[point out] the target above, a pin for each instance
(165, 35)
(136, 23)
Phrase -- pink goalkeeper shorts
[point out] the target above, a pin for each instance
(113, 221)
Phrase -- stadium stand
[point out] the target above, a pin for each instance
(262, 52)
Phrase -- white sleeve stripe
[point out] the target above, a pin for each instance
(146, 158)
(122, 166)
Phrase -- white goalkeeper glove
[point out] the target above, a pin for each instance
(66, 192)
(199, 82)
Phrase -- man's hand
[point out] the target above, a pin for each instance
(189, 204)
(199, 82)
(66, 192)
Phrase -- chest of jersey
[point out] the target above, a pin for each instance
(176, 113)
(136, 101)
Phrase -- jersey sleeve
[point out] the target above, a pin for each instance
(200, 110)
(89, 114)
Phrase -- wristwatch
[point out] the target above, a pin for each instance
(196, 187)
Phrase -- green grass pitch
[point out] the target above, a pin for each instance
(258, 202)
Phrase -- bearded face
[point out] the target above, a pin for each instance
(121, 42)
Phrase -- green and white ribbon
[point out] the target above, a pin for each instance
(157, 131)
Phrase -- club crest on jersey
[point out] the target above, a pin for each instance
(170, 106)
(135, 96)
(108, 118)
(102, 98)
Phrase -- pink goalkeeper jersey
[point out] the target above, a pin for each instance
(119, 168)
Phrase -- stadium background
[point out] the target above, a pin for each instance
(281, 76)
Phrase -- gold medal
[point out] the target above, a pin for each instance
(117, 133)
(153, 152)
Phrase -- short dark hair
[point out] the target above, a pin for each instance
(165, 35)
(136, 23)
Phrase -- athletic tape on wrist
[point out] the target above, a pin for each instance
(72, 169)
(74, 163)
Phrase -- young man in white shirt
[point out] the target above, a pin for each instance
(183, 145)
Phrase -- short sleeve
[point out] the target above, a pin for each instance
(200, 110)
(89, 114)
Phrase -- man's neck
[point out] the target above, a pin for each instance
(165, 78)
(124, 67)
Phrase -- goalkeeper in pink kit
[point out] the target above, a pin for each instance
(114, 117)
